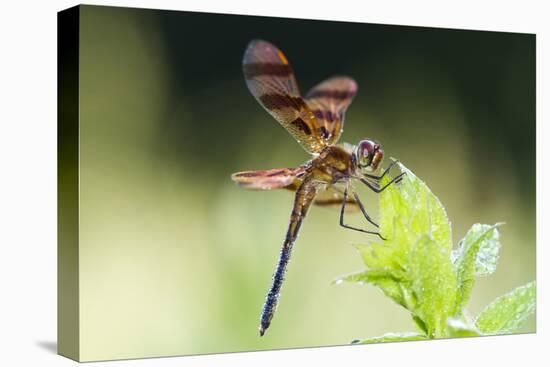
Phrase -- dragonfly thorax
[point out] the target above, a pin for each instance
(333, 164)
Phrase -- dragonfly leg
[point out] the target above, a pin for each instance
(378, 178)
(342, 210)
(362, 207)
(376, 188)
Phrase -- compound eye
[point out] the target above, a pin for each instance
(365, 152)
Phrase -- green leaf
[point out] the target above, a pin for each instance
(457, 328)
(378, 255)
(370, 276)
(420, 324)
(417, 268)
(389, 281)
(507, 313)
(419, 244)
(487, 257)
(413, 265)
(433, 284)
(391, 337)
(410, 210)
(476, 255)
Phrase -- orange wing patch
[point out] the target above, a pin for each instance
(282, 57)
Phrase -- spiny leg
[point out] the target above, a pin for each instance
(362, 207)
(343, 208)
(378, 178)
(376, 188)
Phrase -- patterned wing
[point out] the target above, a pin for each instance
(329, 101)
(271, 81)
(267, 179)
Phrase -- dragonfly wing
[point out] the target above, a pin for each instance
(329, 101)
(271, 81)
(267, 179)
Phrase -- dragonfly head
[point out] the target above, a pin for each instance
(368, 155)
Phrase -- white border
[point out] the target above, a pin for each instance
(28, 184)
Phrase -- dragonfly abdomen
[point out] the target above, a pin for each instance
(303, 199)
(272, 298)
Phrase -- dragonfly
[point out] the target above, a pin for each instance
(316, 122)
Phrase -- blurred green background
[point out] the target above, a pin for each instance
(175, 259)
